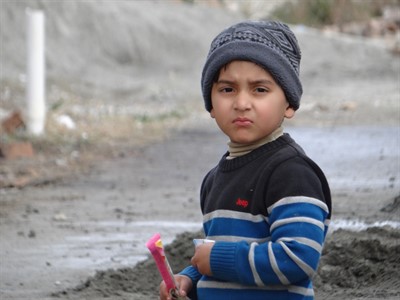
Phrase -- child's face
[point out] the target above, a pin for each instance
(248, 104)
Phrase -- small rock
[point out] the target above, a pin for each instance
(16, 150)
(349, 106)
(59, 217)
(13, 122)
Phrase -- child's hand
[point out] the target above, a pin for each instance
(201, 258)
(183, 282)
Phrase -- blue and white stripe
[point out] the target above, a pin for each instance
(288, 241)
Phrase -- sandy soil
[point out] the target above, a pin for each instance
(77, 231)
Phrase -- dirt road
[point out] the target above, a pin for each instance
(55, 236)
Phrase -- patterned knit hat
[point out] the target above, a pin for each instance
(271, 45)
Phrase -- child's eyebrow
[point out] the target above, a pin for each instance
(262, 81)
(252, 82)
(223, 81)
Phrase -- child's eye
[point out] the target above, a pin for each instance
(261, 90)
(226, 90)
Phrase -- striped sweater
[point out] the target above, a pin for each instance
(268, 212)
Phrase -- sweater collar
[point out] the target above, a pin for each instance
(236, 149)
(227, 165)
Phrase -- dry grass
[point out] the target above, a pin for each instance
(319, 13)
(62, 151)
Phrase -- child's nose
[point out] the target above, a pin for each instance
(242, 101)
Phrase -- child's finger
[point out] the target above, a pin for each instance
(163, 292)
(182, 292)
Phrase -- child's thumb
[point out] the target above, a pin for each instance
(183, 288)
(182, 292)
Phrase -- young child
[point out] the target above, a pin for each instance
(266, 204)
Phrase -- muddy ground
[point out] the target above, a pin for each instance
(81, 237)
(75, 217)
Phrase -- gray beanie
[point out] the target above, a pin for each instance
(272, 45)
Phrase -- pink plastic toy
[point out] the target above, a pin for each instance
(157, 250)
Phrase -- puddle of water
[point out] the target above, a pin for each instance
(95, 251)
(358, 225)
(356, 156)
(152, 224)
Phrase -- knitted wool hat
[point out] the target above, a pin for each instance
(272, 45)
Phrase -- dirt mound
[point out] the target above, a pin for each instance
(353, 265)
(137, 283)
(360, 264)
(114, 51)
(147, 56)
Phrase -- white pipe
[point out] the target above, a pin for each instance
(35, 84)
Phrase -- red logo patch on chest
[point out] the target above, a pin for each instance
(242, 202)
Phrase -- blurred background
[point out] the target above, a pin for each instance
(120, 73)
